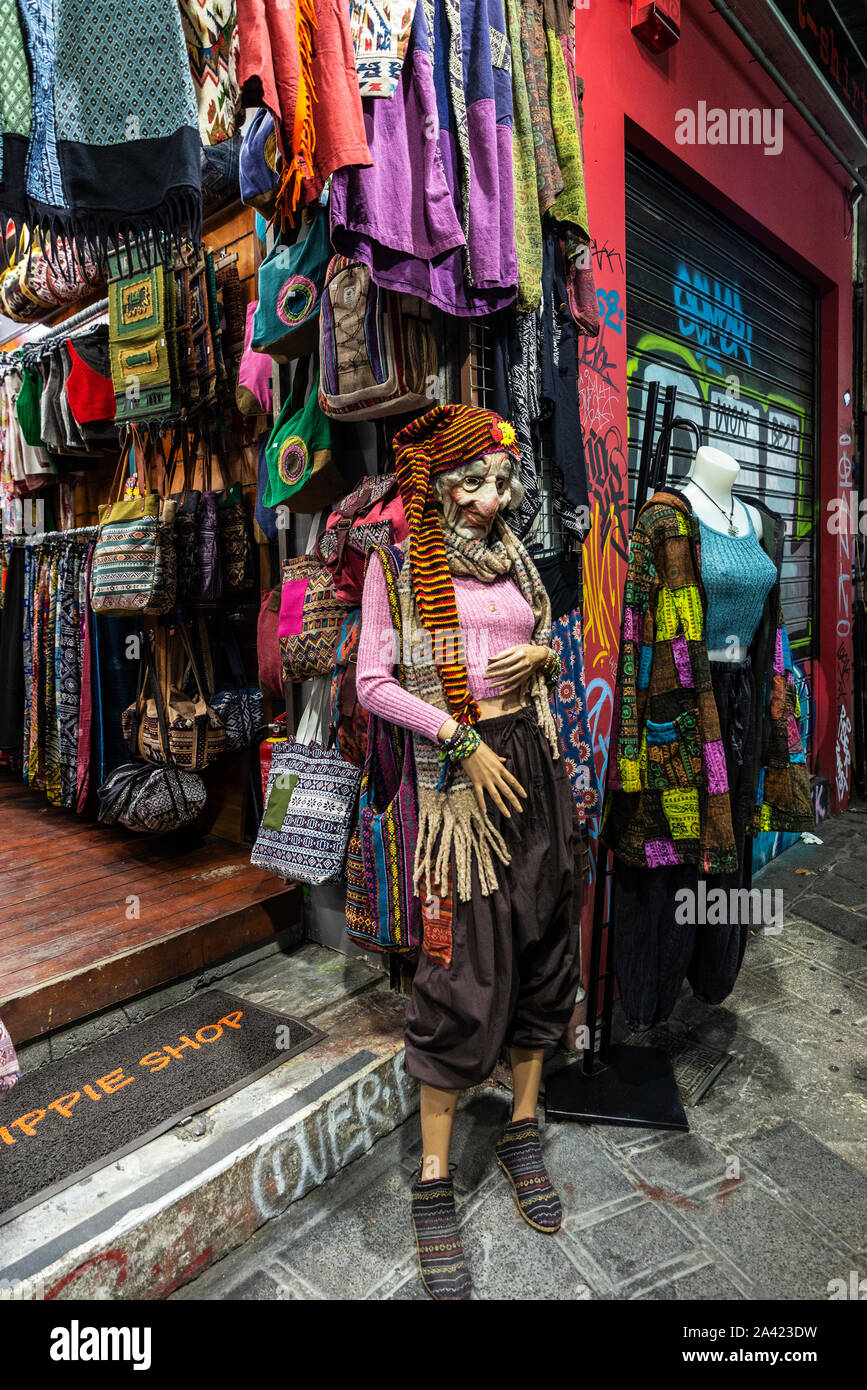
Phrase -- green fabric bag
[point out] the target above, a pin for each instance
(301, 472)
(141, 321)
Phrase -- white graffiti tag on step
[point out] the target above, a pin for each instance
(844, 752)
(331, 1138)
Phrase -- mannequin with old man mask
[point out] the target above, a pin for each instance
(500, 965)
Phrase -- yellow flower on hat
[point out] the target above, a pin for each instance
(505, 433)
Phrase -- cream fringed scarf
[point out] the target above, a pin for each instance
(452, 820)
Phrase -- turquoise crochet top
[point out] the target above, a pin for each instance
(737, 575)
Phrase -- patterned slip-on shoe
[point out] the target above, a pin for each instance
(519, 1154)
(441, 1262)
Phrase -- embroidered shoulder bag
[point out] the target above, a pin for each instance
(388, 821)
(134, 563)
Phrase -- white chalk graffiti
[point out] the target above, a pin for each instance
(844, 752)
(337, 1133)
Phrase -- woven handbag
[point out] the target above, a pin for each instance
(310, 804)
(239, 705)
(311, 616)
(192, 735)
(186, 530)
(208, 550)
(268, 643)
(361, 924)
(233, 533)
(302, 474)
(376, 358)
(372, 514)
(291, 280)
(388, 821)
(134, 564)
(147, 799)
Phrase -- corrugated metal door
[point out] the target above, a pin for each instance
(735, 329)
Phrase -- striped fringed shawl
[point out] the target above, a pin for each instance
(100, 140)
(451, 822)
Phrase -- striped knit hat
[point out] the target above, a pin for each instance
(436, 442)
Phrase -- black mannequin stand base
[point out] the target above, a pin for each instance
(633, 1086)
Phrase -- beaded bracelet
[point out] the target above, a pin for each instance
(551, 670)
(460, 745)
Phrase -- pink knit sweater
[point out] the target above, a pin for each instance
(492, 617)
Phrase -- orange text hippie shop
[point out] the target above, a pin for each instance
(94, 1089)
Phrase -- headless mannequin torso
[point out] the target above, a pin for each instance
(708, 487)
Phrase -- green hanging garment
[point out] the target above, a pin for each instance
(27, 407)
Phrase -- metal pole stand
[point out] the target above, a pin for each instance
(622, 1085)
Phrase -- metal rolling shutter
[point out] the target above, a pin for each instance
(735, 330)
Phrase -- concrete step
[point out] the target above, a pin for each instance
(157, 1218)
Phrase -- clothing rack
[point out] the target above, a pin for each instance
(78, 533)
(622, 1085)
(56, 333)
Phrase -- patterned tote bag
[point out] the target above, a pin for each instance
(310, 803)
(134, 563)
(388, 823)
(311, 616)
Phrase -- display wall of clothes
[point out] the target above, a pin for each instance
(66, 673)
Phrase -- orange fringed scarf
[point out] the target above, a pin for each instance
(299, 62)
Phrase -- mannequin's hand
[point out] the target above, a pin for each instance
(488, 773)
(514, 666)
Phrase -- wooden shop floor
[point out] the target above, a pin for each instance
(92, 916)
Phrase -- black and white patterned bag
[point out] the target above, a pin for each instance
(310, 804)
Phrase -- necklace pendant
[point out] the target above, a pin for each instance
(733, 530)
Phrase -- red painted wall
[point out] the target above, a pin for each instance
(795, 204)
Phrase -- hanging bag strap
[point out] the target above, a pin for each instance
(115, 493)
(222, 463)
(190, 449)
(160, 467)
(314, 723)
(177, 454)
(173, 784)
(194, 665)
(206, 648)
(142, 473)
(139, 706)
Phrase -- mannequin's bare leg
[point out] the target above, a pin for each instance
(526, 1076)
(437, 1118)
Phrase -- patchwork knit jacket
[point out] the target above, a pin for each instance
(667, 799)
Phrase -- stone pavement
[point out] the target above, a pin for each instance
(766, 1197)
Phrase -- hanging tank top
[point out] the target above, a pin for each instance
(89, 392)
(737, 574)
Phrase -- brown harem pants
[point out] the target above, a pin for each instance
(516, 955)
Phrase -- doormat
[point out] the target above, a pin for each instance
(696, 1066)
(79, 1114)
